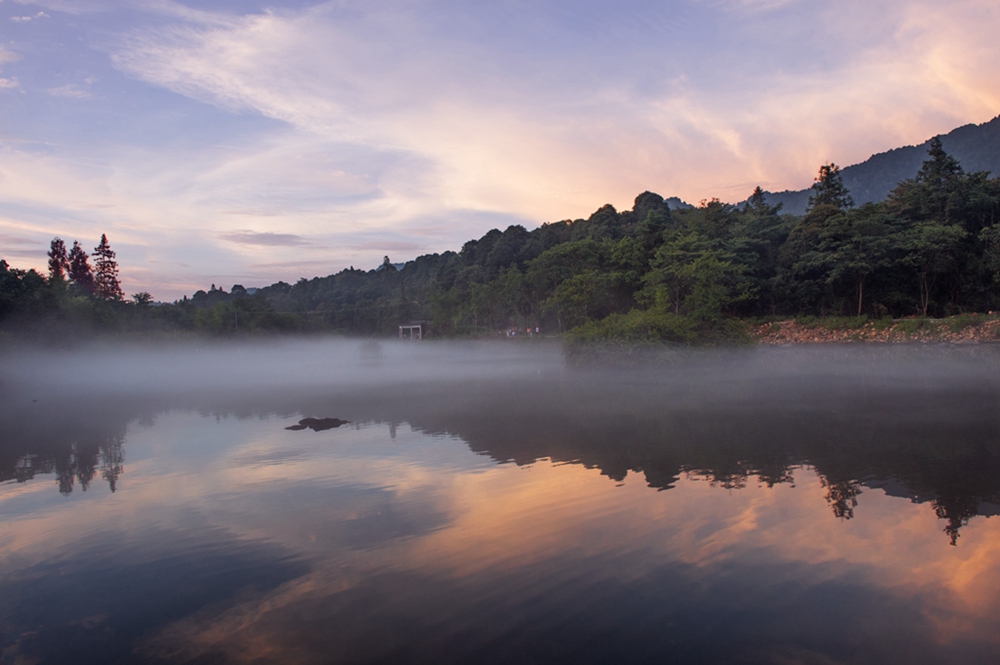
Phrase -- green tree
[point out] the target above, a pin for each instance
(829, 189)
(581, 298)
(856, 244)
(689, 277)
(933, 249)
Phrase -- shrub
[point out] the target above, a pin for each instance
(883, 324)
(844, 322)
(962, 321)
(911, 326)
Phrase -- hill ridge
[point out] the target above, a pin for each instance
(976, 147)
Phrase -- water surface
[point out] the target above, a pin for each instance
(487, 504)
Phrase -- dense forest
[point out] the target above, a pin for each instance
(652, 274)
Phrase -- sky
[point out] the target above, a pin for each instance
(224, 142)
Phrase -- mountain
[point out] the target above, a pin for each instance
(976, 147)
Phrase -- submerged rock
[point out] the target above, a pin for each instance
(318, 424)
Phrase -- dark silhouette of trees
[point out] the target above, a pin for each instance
(80, 272)
(106, 283)
(58, 260)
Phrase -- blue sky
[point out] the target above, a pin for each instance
(246, 142)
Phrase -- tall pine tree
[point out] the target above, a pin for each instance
(828, 189)
(106, 283)
(79, 268)
(58, 260)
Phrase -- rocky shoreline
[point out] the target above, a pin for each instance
(963, 329)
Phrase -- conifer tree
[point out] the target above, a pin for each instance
(79, 268)
(58, 260)
(938, 180)
(829, 189)
(940, 169)
(106, 283)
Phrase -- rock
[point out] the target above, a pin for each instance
(318, 424)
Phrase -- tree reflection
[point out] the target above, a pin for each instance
(842, 496)
(936, 447)
(113, 461)
(73, 462)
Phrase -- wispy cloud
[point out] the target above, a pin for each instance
(346, 130)
(509, 137)
(7, 239)
(8, 56)
(35, 254)
(5, 58)
(390, 246)
(25, 19)
(266, 239)
(71, 91)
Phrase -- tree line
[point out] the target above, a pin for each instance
(652, 274)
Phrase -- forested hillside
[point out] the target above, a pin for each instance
(976, 147)
(650, 274)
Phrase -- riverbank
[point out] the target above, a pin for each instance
(961, 329)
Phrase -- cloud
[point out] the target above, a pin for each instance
(25, 19)
(390, 246)
(32, 254)
(416, 126)
(71, 91)
(8, 56)
(533, 130)
(16, 240)
(5, 58)
(266, 239)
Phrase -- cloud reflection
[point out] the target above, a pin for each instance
(463, 509)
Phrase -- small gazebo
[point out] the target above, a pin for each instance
(414, 330)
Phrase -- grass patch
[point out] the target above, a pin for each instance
(961, 322)
(911, 326)
(844, 322)
(884, 323)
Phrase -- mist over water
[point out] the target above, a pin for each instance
(487, 502)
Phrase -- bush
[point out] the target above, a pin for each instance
(884, 323)
(628, 338)
(844, 322)
(911, 326)
(962, 321)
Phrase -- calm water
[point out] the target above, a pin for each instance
(486, 504)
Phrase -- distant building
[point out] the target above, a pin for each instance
(414, 330)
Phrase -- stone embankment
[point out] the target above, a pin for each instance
(964, 329)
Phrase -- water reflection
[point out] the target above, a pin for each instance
(767, 513)
(76, 456)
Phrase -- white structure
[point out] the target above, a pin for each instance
(411, 331)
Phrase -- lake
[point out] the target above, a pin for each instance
(485, 503)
